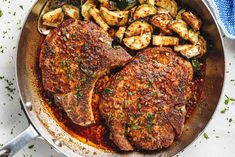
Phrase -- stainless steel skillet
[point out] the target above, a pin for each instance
(43, 125)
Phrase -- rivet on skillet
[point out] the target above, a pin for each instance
(28, 105)
(57, 142)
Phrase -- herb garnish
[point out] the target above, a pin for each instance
(108, 91)
(149, 119)
(142, 59)
(205, 135)
(224, 110)
(1, 13)
(134, 126)
(228, 99)
(31, 146)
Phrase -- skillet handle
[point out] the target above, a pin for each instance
(18, 142)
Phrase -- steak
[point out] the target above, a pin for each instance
(144, 104)
(73, 57)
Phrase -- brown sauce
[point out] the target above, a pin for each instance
(97, 135)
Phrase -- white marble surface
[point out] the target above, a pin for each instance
(221, 132)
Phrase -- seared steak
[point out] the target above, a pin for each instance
(144, 104)
(73, 57)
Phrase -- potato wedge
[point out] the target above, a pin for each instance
(161, 21)
(138, 28)
(120, 33)
(179, 48)
(180, 27)
(53, 18)
(202, 42)
(85, 9)
(94, 13)
(193, 36)
(192, 20)
(164, 40)
(71, 11)
(170, 5)
(110, 17)
(190, 50)
(138, 42)
(151, 2)
(125, 17)
(179, 14)
(144, 10)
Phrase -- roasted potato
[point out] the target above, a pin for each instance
(190, 50)
(151, 2)
(138, 42)
(144, 10)
(161, 21)
(193, 36)
(85, 9)
(179, 14)
(110, 17)
(98, 19)
(71, 11)
(170, 5)
(114, 18)
(192, 20)
(53, 18)
(164, 40)
(138, 28)
(180, 27)
(179, 48)
(120, 33)
(125, 17)
(202, 43)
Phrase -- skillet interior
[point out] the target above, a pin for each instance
(47, 127)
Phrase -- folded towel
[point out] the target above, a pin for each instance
(224, 11)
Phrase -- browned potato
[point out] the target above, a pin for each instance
(85, 9)
(137, 28)
(111, 18)
(95, 13)
(169, 5)
(71, 11)
(144, 10)
(180, 27)
(190, 51)
(193, 36)
(53, 18)
(120, 33)
(192, 20)
(161, 21)
(164, 40)
(202, 43)
(138, 42)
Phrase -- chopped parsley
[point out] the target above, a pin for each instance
(205, 135)
(142, 59)
(223, 111)
(108, 91)
(134, 126)
(31, 146)
(1, 13)
(149, 120)
(228, 99)
(139, 106)
(21, 6)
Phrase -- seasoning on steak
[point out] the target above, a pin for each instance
(73, 57)
(144, 104)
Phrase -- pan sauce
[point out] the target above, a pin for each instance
(97, 135)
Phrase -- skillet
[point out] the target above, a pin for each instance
(42, 124)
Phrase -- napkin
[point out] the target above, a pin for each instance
(224, 11)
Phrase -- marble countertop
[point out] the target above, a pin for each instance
(221, 129)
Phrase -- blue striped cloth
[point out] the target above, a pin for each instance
(224, 11)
